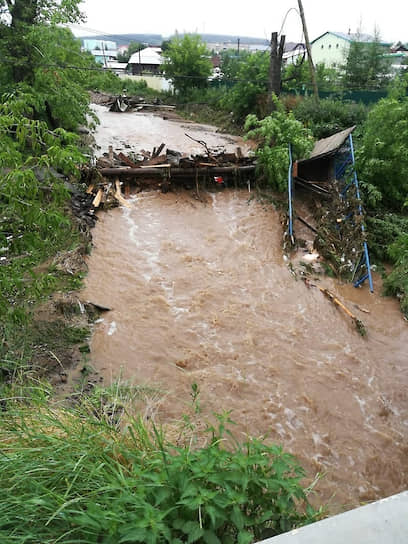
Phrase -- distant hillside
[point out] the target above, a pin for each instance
(157, 39)
(227, 38)
(125, 39)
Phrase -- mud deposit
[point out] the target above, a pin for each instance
(201, 294)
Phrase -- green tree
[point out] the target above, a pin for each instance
(249, 94)
(231, 62)
(382, 153)
(366, 67)
(296, 77)
(18, 18)
(187, 63)
(134, 47)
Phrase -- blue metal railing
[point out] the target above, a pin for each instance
(290, 195)
(366, 259)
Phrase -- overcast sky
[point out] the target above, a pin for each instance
(255, 18)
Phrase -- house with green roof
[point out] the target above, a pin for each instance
(331, 48)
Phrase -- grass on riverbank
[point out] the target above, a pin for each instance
(83, 476)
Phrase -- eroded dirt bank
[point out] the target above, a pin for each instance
(201, 294)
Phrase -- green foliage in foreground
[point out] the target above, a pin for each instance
(273, 135)
(69, 477)
(33, 222)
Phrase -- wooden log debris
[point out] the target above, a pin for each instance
(118, 195)
(97, 200)
(328, 294)
(161, 168)
(141, 172)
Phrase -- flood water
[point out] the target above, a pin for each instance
(201, 293)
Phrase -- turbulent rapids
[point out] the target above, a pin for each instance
(201, 294)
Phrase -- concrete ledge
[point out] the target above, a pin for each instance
(381, 522)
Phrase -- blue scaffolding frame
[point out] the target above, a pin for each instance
(345, 161)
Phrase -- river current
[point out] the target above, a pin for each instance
(201, 294)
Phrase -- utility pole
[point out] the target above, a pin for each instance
(309, 51)
(275, 67)
(238, 42)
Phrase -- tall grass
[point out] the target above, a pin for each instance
(70, 476)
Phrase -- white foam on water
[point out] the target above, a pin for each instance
(112, 328)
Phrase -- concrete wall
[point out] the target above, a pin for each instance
(158, 83)
(381, 522)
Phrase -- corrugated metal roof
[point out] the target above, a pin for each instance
(329, 145)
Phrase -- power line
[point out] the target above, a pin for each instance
(103, 70)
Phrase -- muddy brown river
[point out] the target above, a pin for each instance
(201, 293)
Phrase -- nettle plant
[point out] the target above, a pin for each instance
(273, 134)
(73, 477)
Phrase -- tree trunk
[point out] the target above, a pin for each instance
(275, 67)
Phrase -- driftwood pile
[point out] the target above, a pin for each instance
(339, 234)
(122, 103)
(82, 208)
(162, 168)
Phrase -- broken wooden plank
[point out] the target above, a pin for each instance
(308, 225)
(155, 166)
(157, 159)
(118, 195)
(97, 200)
(122, 157)
(157, 152)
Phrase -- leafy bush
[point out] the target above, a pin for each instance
(33, 222)
(383, 229)
(382, 156)
(71, 477)
(396, 282)
(327, 116)
(106, 81)
(273, 136)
